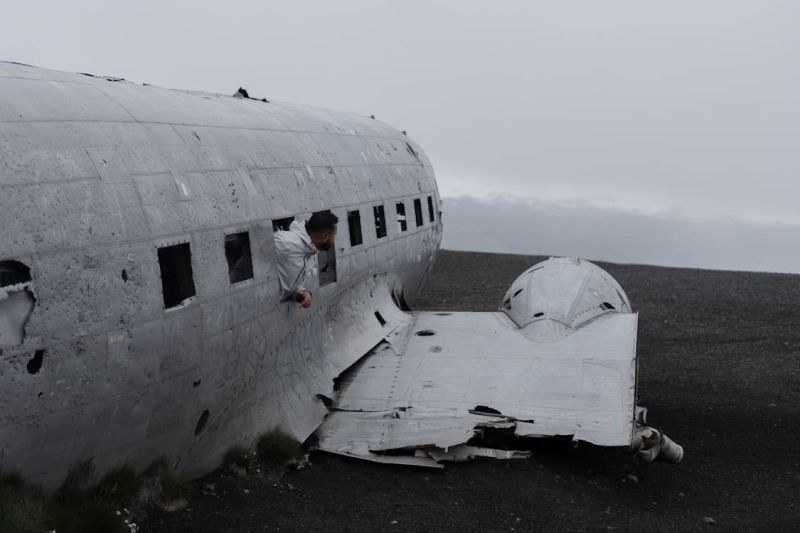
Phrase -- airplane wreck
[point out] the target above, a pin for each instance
(140, 312)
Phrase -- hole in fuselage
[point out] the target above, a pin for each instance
(124, 275)
(380, 318)
(201, 423)
(537, 315)
(425, 333)
(13, 272)
(606, 305)
(35, 363)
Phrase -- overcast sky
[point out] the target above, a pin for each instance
(685, 108)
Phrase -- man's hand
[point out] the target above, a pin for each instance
(303, 297)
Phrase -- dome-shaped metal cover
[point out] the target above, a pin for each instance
(559, 295)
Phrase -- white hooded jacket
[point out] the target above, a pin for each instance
(296, 258)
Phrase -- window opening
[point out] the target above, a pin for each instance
(177, 283)
(327, 265)
(430, 208)
(418, 211)
(17, 303)
(326, 262)
(401, 216)
(380, 221)
(380, 318)
(354, 225)
(13, 272)
(240, 259)
(282, 224)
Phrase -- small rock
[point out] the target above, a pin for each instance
(633, 478)
(210, 487)
(708, 520)
(681, 494)
(246, 491)
(393, 522)
(291, 487)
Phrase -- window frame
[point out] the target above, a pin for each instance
(187, 268)
(402, 223)
(379, 216)
(355, 230)
(418, 218)
(246, 250)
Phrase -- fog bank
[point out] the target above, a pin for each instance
(543, 228)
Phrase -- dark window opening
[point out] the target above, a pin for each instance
(327, 265)
(537, 315)
(282, 224)
(430, 208)
(381, 320)
(13, 272)
(380, 221)
(607, 306)
(418, 212)
(201, 422)
(240, 260)
(425, 333)
(177, 283)
(326, 261)
(35, 363)
(401, 216)
(354, 225)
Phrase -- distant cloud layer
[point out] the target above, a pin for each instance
(687, 107)
(547, 228)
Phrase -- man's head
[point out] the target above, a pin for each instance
(321, 227)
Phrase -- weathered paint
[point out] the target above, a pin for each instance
(95, 175)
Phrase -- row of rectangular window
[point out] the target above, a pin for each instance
(175, 261)
(379, 214)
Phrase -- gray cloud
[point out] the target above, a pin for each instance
(682, 107)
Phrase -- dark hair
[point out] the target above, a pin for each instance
(321, 221)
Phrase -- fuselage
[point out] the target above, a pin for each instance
(130, 336)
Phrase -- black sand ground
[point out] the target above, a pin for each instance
(719, 371)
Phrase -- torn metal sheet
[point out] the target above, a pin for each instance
(465, 452)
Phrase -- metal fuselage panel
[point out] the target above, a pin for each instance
(95, 176)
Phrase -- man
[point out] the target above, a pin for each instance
(297, 253)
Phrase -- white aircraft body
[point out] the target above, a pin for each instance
(129, 328)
